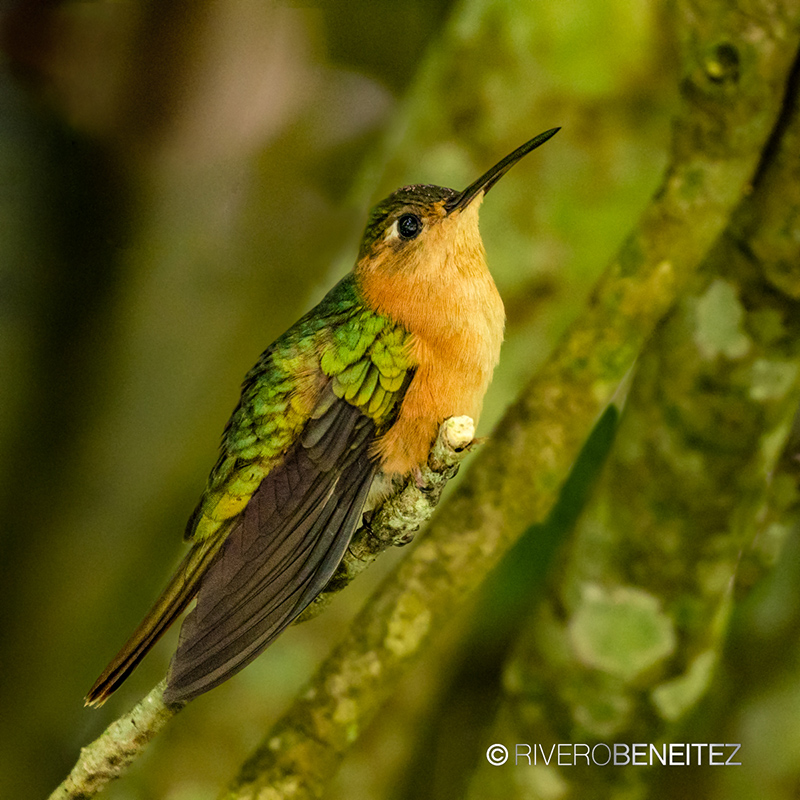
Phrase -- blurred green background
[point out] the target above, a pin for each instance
(179, 182)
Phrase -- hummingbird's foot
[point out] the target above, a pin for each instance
(406, 538)
(419, 481)
(366, 519)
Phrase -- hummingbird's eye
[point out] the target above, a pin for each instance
(409, 226)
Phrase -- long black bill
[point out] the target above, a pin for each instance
(489, 179)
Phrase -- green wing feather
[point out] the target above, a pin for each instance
(285, 495)
(364, 355)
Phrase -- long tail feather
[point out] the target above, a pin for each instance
(173, 600)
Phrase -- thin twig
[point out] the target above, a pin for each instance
(108, 756)
(393, 522)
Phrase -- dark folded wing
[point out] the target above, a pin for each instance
(282, 551)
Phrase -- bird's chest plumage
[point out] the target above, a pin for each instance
(457, 350)
(457, 330)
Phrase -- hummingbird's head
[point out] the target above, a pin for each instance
(427, 230)
(422, 265)
(406, 224)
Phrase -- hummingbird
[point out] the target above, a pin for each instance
(348, 400)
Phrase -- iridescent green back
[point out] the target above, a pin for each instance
(341, 345)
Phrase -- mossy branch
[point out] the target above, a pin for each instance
(108, 756)
(625, 643)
